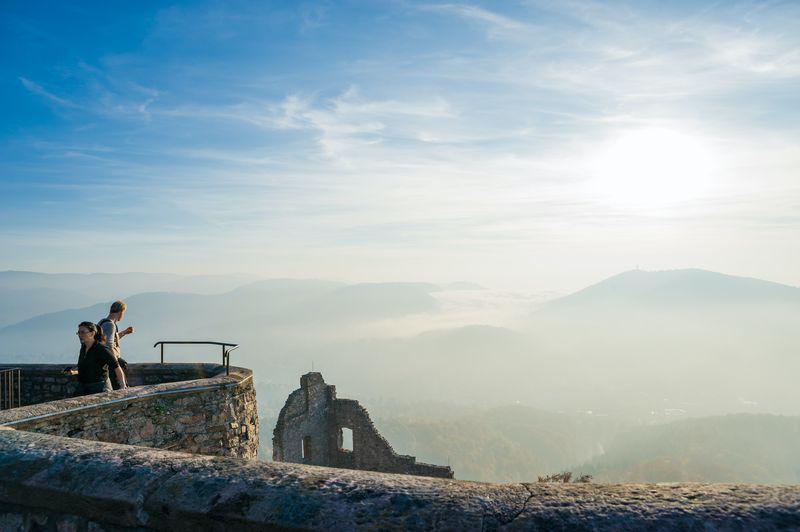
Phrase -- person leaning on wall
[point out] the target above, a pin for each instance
(95, 360)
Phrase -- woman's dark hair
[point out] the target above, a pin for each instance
(96, 331)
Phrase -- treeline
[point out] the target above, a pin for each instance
(746, 448)
(521, 444)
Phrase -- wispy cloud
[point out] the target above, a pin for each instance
(312, 16)
(341, 124)
(753, 52)
(629, 54)
(495, 23)
(38, 90)
(382, 136)
(106, 94)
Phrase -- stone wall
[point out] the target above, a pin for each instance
(371, 451)
(306, 415)
(40, 383)
(55, 483)
(52, 482)
(309, 431)
(215, 415)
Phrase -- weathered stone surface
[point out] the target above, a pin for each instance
(17, 518)
(51, 482)
(41, 383)
(169, 415)
(121, 486)
(309, 431)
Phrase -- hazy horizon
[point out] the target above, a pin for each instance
(547, 234)
(552, 292)
(641, 377)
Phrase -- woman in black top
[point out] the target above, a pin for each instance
(95, 360)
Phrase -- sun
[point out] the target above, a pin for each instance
(652, 167)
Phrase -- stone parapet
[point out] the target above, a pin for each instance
(42, 383)
(213, 414)
(55, 483)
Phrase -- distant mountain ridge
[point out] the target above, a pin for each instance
(17, 304)
(120, 285)
(677, 288)
(252, 313)
(638, 342)
(26, 294)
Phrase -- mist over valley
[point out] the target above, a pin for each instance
(640, 377)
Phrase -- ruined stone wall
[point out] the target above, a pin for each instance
(216, 416)
(55, 483)
(307, 408)
(309, 431)
(371, 451)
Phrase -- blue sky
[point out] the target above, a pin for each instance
(517, 144)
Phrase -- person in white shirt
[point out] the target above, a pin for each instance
(113, 336)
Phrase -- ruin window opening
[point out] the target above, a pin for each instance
(306, 447)
(346, 439)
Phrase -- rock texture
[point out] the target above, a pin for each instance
(41, 383)
(309, 431)
(216, 415)
(62, 483)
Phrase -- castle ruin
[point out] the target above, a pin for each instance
(310, 431)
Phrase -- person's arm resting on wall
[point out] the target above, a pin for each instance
(121, 378)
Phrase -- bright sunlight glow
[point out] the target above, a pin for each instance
(652, 168)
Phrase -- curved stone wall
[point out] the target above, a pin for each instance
(213, 413)
(47, 382)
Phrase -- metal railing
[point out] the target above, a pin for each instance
(10, 388)
(226, 353)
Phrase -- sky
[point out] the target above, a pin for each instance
(519, 144)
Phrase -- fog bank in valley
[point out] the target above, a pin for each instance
(627, 378)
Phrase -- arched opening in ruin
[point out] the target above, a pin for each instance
(346, 439)
(306, 448)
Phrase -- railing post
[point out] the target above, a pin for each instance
(162, 353)
(10, 388)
